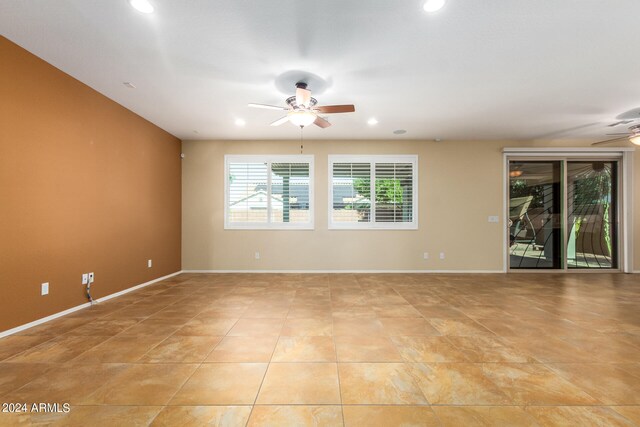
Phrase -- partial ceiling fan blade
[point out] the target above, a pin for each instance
(266, 106)
(280, 121)
(609, 140)
(321, 122)
(303, 96)
(614, 134)
(332, 109)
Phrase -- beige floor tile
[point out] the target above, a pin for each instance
(457, 384)
(300, 383)
(304, 349)
(69, 382)
(439, 311)
(137, 384)
(408, 326)
(207, 327)
(484, 416)
(428, 349)
(586, 416)
(181, 349)
(459, 327)
(160, 328)
(379, 383)
(59, 349)
(549, 349)
(385, 416)
(196, 416)
(256, 327)
(103, 327)
(632, 413)
(15, 375)
(243, 349)
(399, 311)
(120, 349)
(366, 349)
(222, 384)
(533, 384)
(488, 349)
(298, 415)
(15, 344)
(606, 382)
(357, 327)
(96, 416)
(308, 327)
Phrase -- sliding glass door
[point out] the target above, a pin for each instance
(563, 214)
(592, 241)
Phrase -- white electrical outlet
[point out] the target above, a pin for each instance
(493, 218)
(44, 289)
(149, 263)
(85, 278)
(441, 255)
(91, 277)
(257, 255)
(425, 255)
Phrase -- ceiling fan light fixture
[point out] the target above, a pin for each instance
(635, 139)
(141, 6)
(301, 118)
(431, 6)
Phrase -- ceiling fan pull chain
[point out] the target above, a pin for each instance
(301, 141)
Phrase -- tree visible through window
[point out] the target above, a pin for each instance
(392, 204)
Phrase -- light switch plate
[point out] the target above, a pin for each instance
(44, 289)
(494, 218)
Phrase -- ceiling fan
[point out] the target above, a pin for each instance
(633, 135)
(302, 110)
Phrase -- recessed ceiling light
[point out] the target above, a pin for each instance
(431, 6)
(240, 122)
(372, 121)
(141, 6)
(399, 132)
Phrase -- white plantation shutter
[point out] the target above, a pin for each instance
(351, 185)
(373, 192)
(394, 192)
(290, 192)
(268, 192)
(247, 190)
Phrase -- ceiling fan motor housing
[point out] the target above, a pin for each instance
(291, 102)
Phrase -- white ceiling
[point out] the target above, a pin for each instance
(477, 69)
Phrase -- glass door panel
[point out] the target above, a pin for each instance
(591, 213)
(535, 222)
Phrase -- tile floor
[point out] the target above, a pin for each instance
(333, 350)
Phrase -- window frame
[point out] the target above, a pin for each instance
(269, 159)
(372, 160)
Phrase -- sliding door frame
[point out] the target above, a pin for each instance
(624, 205)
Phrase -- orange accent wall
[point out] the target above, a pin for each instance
(85, 186)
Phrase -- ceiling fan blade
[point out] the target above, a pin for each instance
(614, 134)
(609, 140)
(268, 107)
(280, 121)
(321, 122)
(303, 96)
(331, 109)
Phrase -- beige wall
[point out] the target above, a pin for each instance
(85, 185)
(460, 185)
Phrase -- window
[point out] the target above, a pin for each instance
(268, 192)
(373, 192)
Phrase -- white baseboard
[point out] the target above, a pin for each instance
(81, 306)
(348, 271)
